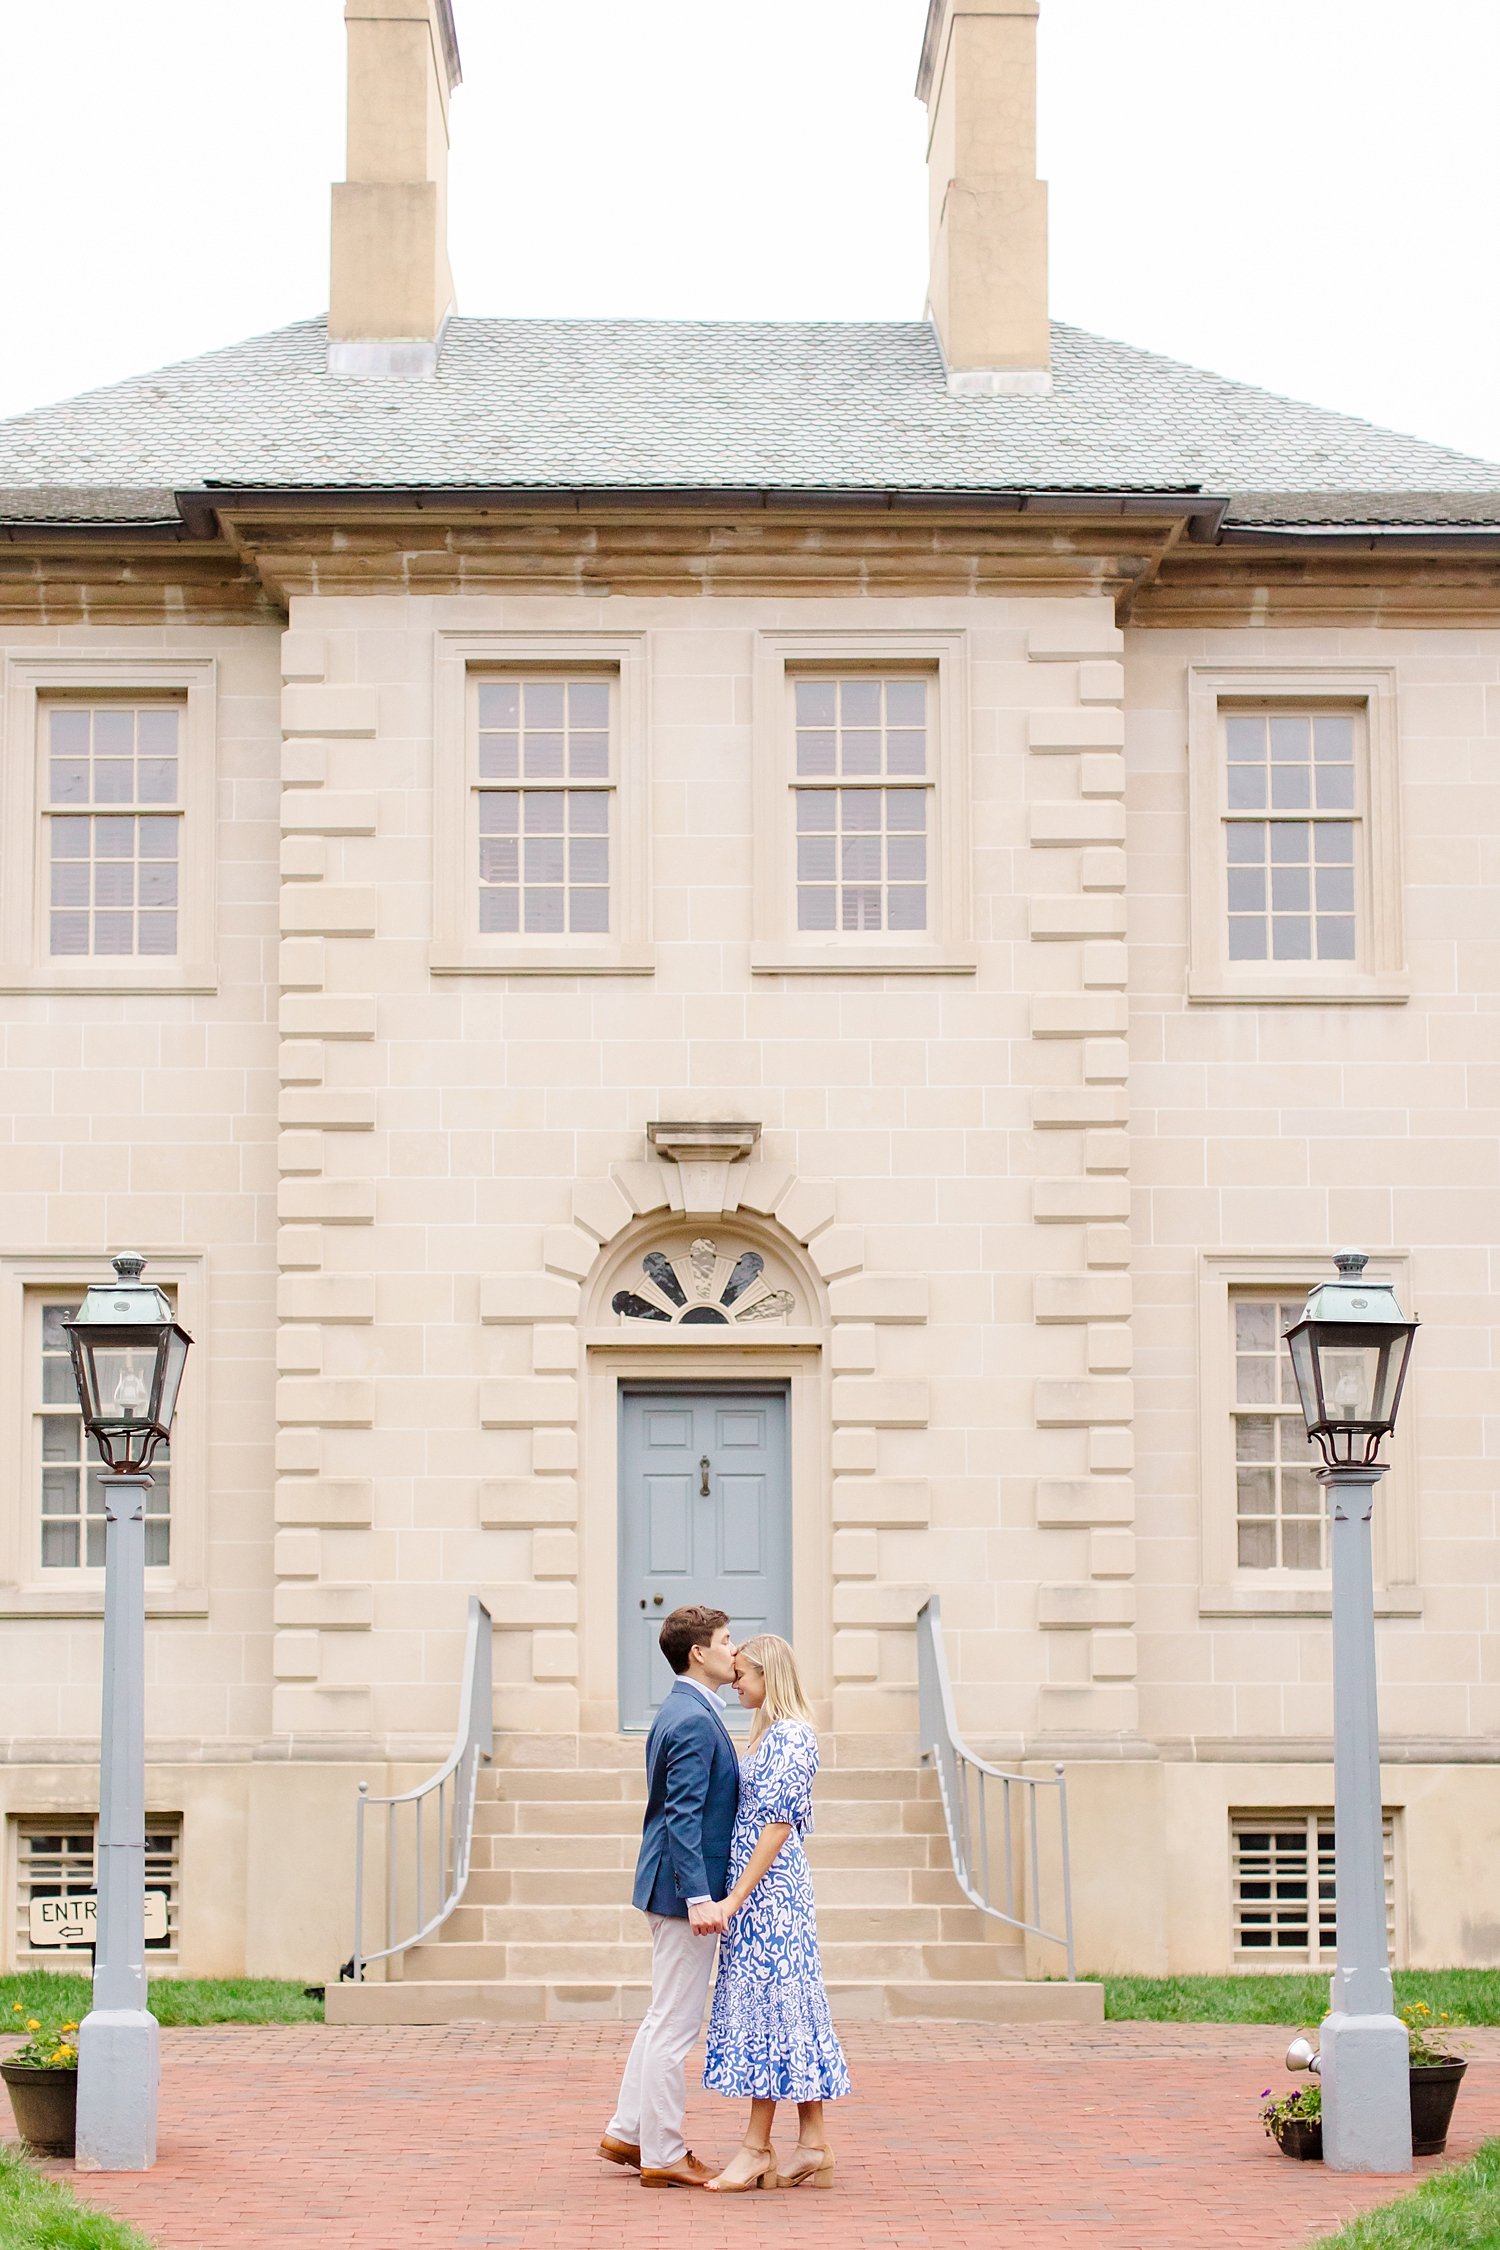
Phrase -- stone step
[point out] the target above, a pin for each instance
(613, 1920)
(548, 1886)
(520, 1785)
(568, 1819)
(615, 1959)
(910, 1852)
(864, 1891)
(574, 1852)
(486, 2000)
(522, 1753)
(839, 1822)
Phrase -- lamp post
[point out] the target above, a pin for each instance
(1349, 1355)
(128, 1356)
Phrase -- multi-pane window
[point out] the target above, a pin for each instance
(544, 833)
(1282, 1886)
(112, 826)
(1291, 825)
(863, 794)
(68, 1463)
(1279, 1507)
(55, 1860)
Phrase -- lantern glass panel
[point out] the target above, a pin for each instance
(173, 1361)
(1304, 1367)
(124, 1376)
(1350, 1382)
(1393, 1361)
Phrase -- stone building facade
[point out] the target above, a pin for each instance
(751, 957)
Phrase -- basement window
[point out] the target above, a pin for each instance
(1282, 1888)
(54, 1861)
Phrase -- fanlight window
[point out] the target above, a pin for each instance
(703, 1287)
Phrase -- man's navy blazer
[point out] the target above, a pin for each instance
(692, 1796)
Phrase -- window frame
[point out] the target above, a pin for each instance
(38, 1409)
(946, 947)
(458, 947)
(32, 685)
(1226, 1588)
(21, 1954)
(1313, 1819)
(1379, 972)
(177, 1589)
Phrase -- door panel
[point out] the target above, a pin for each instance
(669, 1549)
(729, 1547)
(743, 1520)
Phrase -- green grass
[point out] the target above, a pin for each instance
(1294, 2000)
(176, 2000)
(1457, 2210)
(35, 2214)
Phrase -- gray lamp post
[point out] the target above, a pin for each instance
(1349, 1355)
(128, 1357)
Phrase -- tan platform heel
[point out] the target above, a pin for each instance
(815, 2169)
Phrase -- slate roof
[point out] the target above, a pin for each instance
(632, 405)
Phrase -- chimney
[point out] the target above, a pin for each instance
(987, 294)
(391, 287)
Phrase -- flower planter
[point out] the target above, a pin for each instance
(46, 2106)
(1434, 2090)
(1300, 2136)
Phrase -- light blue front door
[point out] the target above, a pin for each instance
(705, 1516)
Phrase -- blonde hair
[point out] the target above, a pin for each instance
(777, 1666)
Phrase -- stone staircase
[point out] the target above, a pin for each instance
(546, 1933)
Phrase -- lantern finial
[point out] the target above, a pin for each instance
(1351, 1263)
(129, 1265)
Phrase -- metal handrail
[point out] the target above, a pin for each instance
(454, 1786)
(965, 1783)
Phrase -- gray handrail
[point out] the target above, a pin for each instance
(965, 1783)
(449, 1842)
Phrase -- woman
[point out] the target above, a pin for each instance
(770, 2034)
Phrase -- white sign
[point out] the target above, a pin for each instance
(70, 1921)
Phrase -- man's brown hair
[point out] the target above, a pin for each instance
(687, 1629)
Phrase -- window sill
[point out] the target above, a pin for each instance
(110, 978)
(542, 961)
(790, 959)
(79, 1600)
(1300, 1601)
(1385, 988)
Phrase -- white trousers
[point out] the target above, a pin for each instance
(653, 2097)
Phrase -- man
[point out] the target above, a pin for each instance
(692, 1796)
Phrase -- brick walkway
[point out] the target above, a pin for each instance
(1133, 2137)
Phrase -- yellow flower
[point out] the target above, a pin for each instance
(32, 2024)
(70, 2027)
(16, 2009)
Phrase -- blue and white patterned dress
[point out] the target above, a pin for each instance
(770, 2035)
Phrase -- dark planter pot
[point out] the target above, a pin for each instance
(46, 2107)
(1434, 2090)
(1301, 2136)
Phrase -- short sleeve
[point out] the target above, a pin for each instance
(786, 1769)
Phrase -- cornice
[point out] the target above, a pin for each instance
(1165, 558)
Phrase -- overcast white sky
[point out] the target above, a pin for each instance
(1302, 193)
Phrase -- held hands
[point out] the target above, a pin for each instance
(708, 1918)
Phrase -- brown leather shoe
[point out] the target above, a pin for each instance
(690, 2173)
(621, 2152)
